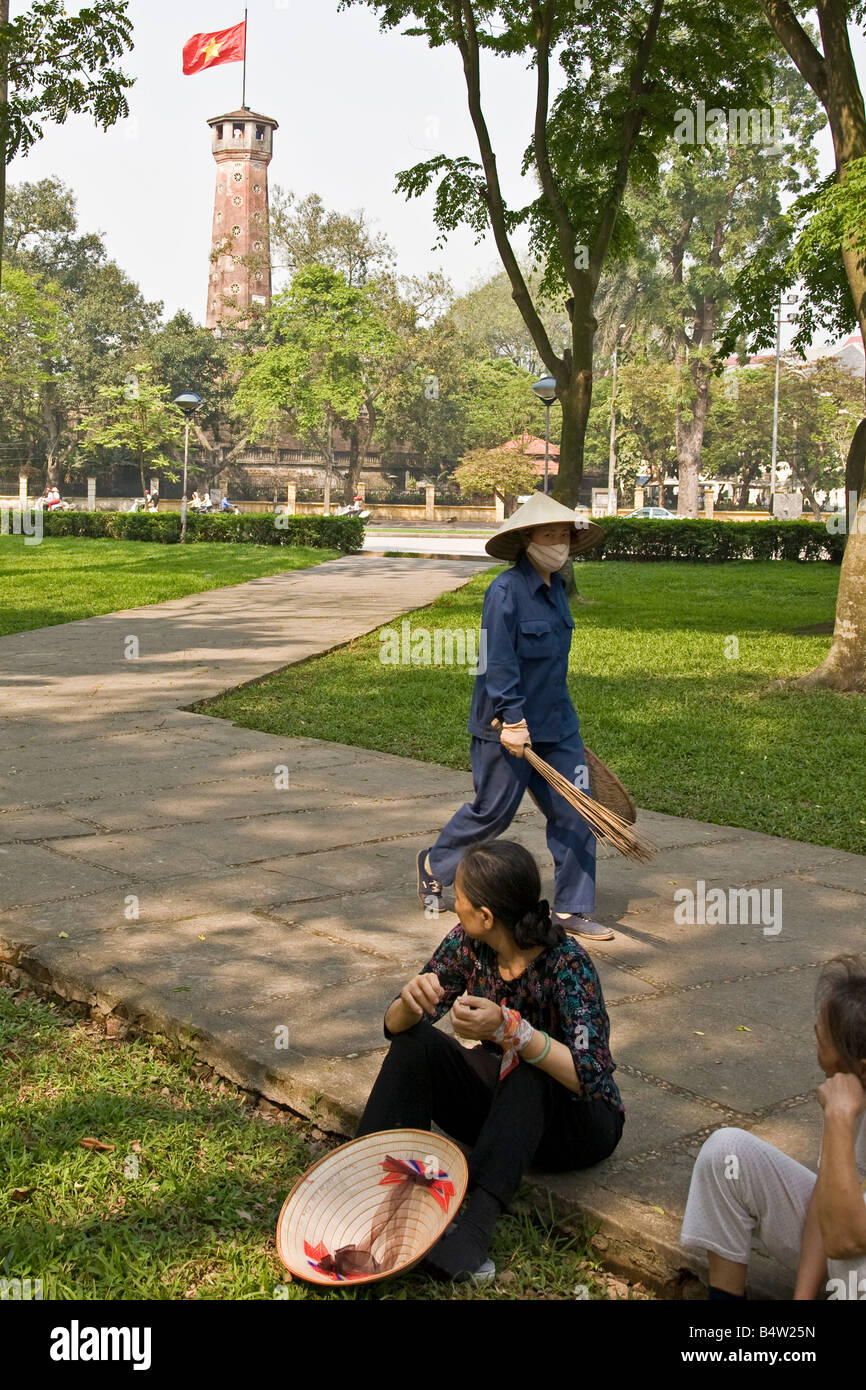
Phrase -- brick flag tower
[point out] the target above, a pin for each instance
(240, 264)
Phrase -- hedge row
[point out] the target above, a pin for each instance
(344, 533)
(640, 538)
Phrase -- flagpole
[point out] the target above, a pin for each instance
(243, 96)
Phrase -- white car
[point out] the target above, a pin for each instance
(657, 513)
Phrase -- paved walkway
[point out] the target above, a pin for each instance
(153, 862)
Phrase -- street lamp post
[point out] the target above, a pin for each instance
(189, 403)
(611, 458)
(545, 390)
(791, 299)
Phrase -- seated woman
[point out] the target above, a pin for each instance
(743, 1187)
(539, 1090)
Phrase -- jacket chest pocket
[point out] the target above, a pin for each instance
(537, 639)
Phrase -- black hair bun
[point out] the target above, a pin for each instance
(537, 928)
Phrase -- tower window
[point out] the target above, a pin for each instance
(237, 131)
(257, 188)
(236, 231)
(260, 132)
(219, 132)
(238, 176)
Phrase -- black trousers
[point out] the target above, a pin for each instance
(525, 1120)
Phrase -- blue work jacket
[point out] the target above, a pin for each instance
(528, 628)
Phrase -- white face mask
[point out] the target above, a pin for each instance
(549, 557)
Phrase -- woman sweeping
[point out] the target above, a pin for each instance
(539, 1090)
(528, 627)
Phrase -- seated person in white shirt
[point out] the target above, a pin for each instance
(742, 1187)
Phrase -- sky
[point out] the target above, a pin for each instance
(354, 107)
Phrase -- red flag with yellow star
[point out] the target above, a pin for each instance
(207, 50)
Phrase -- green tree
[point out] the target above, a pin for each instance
(647, 399)
(305, 233)
(625, 69)
(490, 321)
(450, 399)
(100, 316)
(53, 65)
(28, 331)
(486, 470)
(817, 403)
(826, 62)
(831, 235)
(329, 354)
(137, 420)
(705, 217)
(187, 357)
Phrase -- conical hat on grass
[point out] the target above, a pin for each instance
(541, 510)
(371, 1208)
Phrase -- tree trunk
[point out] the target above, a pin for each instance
(690, 438)
(844, 667)
(855, 474)
(4, 128)
(53, 433)
(690, 441)
(354, 468)
(575, 399)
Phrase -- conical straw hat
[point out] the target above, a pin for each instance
(369, 1217)
(541, 510)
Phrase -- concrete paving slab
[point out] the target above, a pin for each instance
(658, 1116)
(42, 823)
(848, 873)
(696, 1039)
(30, 874)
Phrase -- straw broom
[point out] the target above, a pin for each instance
(605, 825)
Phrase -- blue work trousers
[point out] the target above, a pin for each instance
(500, 781)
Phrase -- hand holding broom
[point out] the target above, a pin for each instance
(605, 824)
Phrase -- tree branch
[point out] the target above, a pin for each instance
(565, 231)
(630, 131)
(467, 41)
(797, 44)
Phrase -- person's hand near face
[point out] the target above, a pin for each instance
(842, 1097)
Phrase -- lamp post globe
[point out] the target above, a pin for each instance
(188, 402)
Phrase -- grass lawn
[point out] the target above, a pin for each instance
(185, 1204)
(692, 728)
(63, 579)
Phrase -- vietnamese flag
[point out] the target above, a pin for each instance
(207, 50)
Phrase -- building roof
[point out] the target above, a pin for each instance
(848, 353)
(244, 114)
(532, 446)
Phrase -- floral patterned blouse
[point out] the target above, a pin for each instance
(559, 992)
